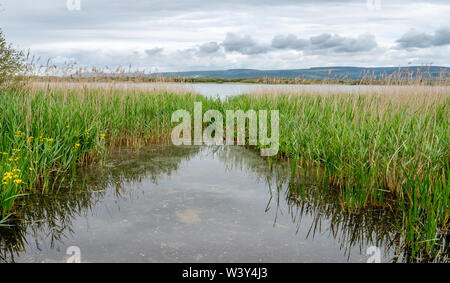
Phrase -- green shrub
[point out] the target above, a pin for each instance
(12, 63)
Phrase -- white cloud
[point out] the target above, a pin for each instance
(193, 34)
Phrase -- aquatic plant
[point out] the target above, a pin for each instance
(46, 132)
(386, 149)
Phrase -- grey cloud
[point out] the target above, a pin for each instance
(209, 47)
(442, 36)
(153, 51)
(289, 42)
(415, 39)
(191, 31)
(332, 42)
(243, 44)
(325, 41)
(342, 44)
(361, 43)
(105, 13)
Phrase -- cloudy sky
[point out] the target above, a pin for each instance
(166, 35)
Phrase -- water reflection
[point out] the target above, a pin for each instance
(191, 204)
(49, 217)
(305, 198)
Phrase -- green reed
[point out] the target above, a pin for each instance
(46, 132)
(379, 150)
(376, 150)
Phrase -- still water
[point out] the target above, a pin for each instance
(192, 204)
(231, 89)
(225, 90)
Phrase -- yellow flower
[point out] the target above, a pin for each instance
(17, 181)
(31, 169)
(7, 176)
(18, 134)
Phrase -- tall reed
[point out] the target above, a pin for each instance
(44, 132)
(384, 149)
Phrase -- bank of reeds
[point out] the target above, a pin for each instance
(44, 132)
(72, 72)
(387, 149)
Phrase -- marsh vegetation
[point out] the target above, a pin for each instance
(382, 148)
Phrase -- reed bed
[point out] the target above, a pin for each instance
(382, 146)
(157, 87)
(71, 71)
(394, 92)
(386, 148)
(47, 131)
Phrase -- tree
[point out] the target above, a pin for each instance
(12, 62)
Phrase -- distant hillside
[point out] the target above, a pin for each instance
(317, 73)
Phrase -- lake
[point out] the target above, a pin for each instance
(225, 90)
(193, 204)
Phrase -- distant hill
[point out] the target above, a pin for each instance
(317, 73)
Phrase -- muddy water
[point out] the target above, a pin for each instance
(192, 204)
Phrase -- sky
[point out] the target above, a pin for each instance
(166, 35)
